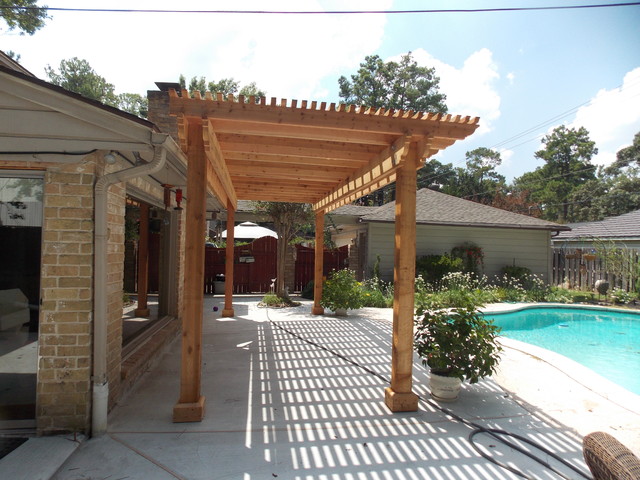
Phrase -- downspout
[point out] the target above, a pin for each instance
(100, 394)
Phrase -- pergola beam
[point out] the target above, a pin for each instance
(216, 158)
(385, 165)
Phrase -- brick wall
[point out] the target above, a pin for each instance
(64, 375)
(116, 204)
(159, 113)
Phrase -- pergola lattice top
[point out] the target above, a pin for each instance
(324, 154)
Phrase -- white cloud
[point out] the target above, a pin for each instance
(511, 77)
(612, 117)
(286, 55)
(470, 89)
(506, 155)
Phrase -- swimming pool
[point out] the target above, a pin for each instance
(606, 341)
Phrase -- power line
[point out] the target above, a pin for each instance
(321, 12)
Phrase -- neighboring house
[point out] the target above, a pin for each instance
(443, 222)
(623, 230)
(69, 169)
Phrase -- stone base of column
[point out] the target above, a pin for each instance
(228, 312)
(141, 312)
(317, 310)
(400, 402)
(189, 412)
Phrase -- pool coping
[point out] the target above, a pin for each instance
(577, 372)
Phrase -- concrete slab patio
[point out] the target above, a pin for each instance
(281, 407)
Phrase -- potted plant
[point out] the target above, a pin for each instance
(456, 344)
(341, 292)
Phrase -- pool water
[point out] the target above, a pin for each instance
(606, 341)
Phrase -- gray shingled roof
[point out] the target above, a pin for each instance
(622, 226)
(436, 208)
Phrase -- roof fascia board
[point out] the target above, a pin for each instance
(75, 106)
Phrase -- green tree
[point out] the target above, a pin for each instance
(479, 181)
(404, 85)
(392, 85)
(287, 219)
(77, 75)
(435, 175)
(567, 154)
(626, 157)
(28, 19)
(226, 86)
(133, 103)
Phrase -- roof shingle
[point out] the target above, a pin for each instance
(438, 208)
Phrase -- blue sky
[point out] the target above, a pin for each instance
(523, 73)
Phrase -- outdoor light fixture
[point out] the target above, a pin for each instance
(110, 158)
(178, 199)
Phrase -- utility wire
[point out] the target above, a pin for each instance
(327, 12)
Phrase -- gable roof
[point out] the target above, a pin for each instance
(436, 208)
(623, 226)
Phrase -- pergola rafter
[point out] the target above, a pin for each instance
(307, 152)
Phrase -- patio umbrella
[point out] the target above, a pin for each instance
(250, 230)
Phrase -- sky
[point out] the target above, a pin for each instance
(522, 72)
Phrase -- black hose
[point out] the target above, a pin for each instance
(497, 434)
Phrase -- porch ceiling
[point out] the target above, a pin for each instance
(326, 155)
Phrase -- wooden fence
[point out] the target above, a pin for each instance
(580, 268)
(305, 263)
(255, 266)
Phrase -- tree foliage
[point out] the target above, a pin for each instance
(27, 20)
(287, 219)
(392, 85)
(404, 85)
(77, 75)
(567, 154)
(479, 181)
(226, 86)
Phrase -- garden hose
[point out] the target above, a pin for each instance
(497, 434)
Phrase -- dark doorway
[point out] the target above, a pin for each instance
(20, 253)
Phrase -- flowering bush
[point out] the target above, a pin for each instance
(377, 293)
(341, 291)
(472, 256)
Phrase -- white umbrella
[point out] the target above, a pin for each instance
(250, 230)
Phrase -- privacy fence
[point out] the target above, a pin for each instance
(254, 266)
(580, 268)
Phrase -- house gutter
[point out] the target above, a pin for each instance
(100, 393)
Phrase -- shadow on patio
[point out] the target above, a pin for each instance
(278, 406)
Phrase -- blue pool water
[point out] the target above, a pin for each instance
(606, 341)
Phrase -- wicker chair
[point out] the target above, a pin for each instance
(608, 459)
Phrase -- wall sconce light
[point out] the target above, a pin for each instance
(178, 199)
(110, 158)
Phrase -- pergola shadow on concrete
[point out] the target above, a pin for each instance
(325, 155)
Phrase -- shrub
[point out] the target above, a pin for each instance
(471, 255)
(342, 291)
(459, 342)
(273, 300)
(618, 295)
(307, 291)
(432, 268)
(515, 272)
(377, 293)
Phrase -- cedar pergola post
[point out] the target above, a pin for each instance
(191, 404)
(399, 396)
(143, 262)
(318, 264)
(228, 265)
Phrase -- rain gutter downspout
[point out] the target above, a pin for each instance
(100, 393)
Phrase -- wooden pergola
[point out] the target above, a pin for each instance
(308, 152)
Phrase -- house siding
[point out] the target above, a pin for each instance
(501, 246)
